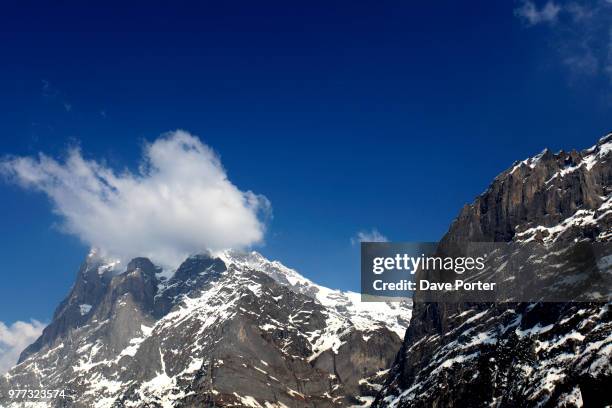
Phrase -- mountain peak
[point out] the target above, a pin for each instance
(528, 354)
(99, 263)
(141, 263)
(605, 139)
(544, 190)
(295, 341)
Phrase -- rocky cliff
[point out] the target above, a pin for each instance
(231, 330)
(518, 354)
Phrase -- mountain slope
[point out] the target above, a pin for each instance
(232, 330)
(518, 354)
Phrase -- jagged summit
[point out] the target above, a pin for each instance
(569, 161)
(362, 315)
(544, 190)
(605, 139)
(100, 263)
(233, 329)
(518, 354)
(236, 329)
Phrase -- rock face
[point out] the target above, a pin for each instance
(232, 330)
(239, 330)
(518, 354)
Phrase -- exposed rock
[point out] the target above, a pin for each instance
(526, 354)
(237, 330)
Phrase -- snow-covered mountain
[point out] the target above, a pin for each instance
(229, 330)
(520, 354)
(365, 316)
(236, 329)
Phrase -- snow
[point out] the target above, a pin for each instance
(597, 154)
(476, 317)
(574, 397)
(277, 404)
(547, 345)
(482, 338)
(455, 360)
(535, 330)
(260, 370)
(345, 313)
(135, 342)
(330, 337)
(84, 309)
(578, 342)
(162, 389)
(99, 366)
(366, 402)
(588, 161)
(248, 401)
(364, 316)
(194, 366)
(465, 312)
(294, 393)
(531, 162)
(580, 219)
(345, 310)
(102, 263)
(553, 376)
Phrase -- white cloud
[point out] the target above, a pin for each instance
(580, 33)
(579, 12)
(178, 203)
(530, 13)
(368, 236)
(583, 63)
(14, 339)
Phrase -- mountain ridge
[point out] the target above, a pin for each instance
(142, 340)
(236, 329)
(517, 354)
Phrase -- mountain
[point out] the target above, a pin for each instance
(229, 330)
(235, 329)
(519, 354)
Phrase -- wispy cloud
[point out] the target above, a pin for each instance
(582, 62)
(580, 32)
(532, 15)
(47, 90)
(52, 93)
(14, 339)
(368, 236)
(179, 202)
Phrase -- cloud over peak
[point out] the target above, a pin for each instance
(179, 202)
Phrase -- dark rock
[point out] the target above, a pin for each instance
(238, 332)
(507, 355)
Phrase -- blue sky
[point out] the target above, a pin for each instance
(347, 117)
